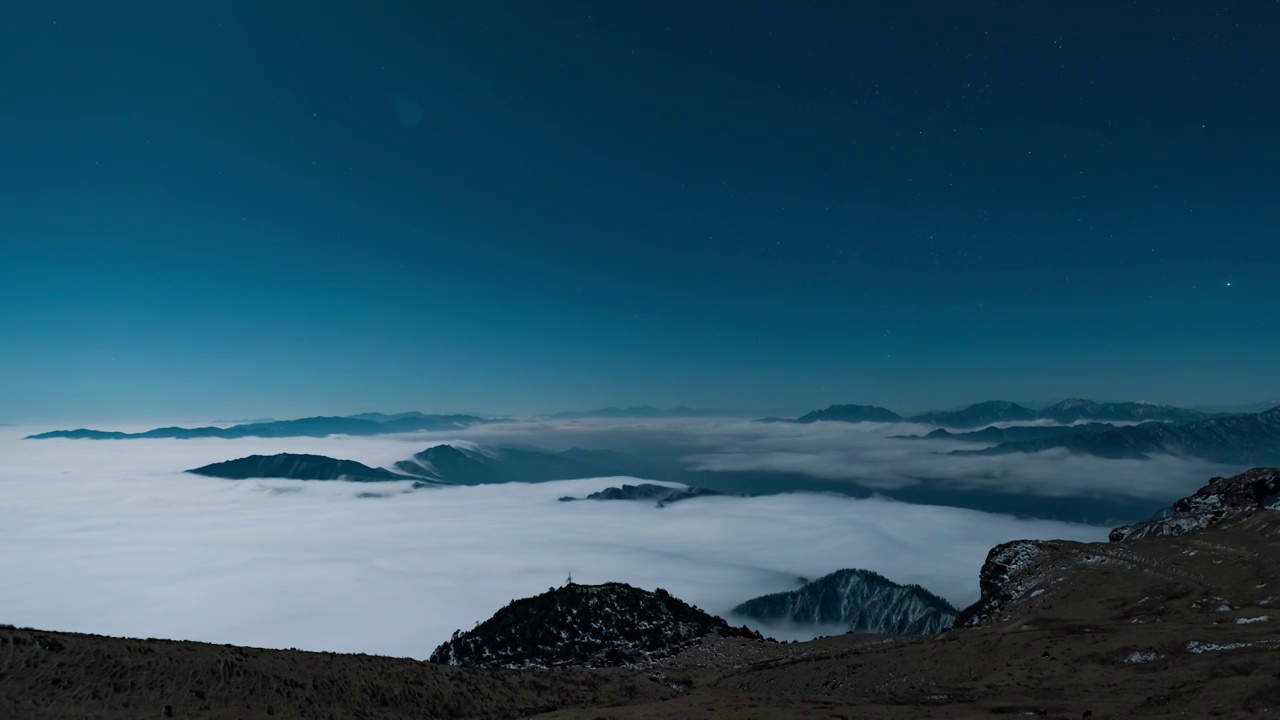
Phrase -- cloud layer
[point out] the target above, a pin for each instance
(110, 537)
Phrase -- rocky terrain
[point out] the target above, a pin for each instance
(1222, 500)
(858, 601)
(296, 467)
(1152, 626)
(606, 625)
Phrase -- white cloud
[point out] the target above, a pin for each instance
(109, 537)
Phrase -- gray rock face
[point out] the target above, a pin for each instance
(857, 600)
(1223, 499)
(1001, 579)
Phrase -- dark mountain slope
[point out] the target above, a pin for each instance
(584, 625)
(296, 467)
(857, 601)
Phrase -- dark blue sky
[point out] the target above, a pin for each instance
(248, 208)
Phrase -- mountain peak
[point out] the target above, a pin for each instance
(855, 600)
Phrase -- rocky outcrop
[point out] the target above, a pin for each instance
(1003, 578)
(1017, 571)
(606, 625)
(1223, 499)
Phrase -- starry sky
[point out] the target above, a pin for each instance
(245, 209)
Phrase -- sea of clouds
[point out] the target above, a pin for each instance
(111, 537)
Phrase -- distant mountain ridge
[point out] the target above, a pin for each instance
(979, 414)
(292, 466)
(607, 625)
(469, 466)
(859, 601)
(663, 495)
(643, 411)
(302, 427)
(1231, 439)
(851, 413)
(1066, 412)
(1015, 433)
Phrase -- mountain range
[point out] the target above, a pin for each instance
(986, 413)
(367, 424)
(1229, 439)
(858, 601)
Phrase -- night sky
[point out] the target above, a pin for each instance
(238, 209)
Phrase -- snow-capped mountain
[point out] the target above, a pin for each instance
(858, 601)
(605, 625)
